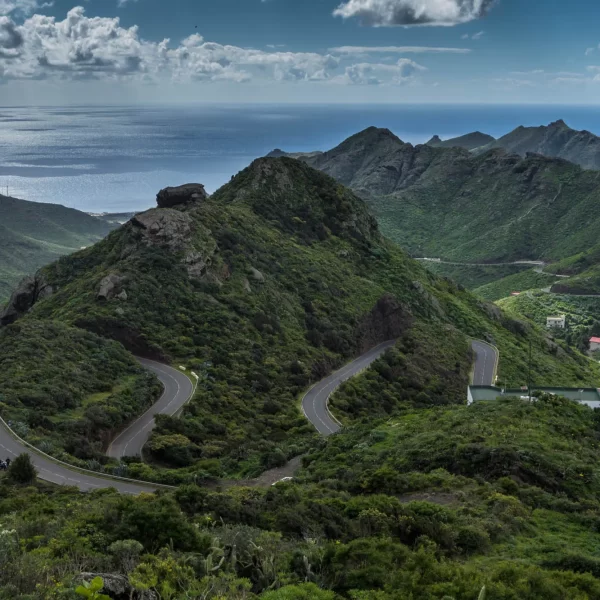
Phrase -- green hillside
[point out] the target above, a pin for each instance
(33, 234)
(433, 504)
(263, 288)
(447, 203)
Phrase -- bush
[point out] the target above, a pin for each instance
(22, 470)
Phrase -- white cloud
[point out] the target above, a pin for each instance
(358, 50)
(379, 73)
(25, 7)
(81, 47)
(388, 13)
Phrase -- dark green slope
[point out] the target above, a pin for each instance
(263, 288)
(447, 203)
(33, 234)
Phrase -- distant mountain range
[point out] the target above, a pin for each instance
(486, 206)
(33, 234)
(556, 140)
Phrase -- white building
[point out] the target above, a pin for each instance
(594, 344)
(556, 322)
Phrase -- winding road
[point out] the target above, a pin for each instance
(314, 403)
(486, 363)
(178, 390)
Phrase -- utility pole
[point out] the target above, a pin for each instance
(529, 374)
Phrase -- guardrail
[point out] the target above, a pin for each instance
(77, 469)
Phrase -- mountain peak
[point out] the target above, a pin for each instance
(436, 140)
(300, 199)
(557, 124)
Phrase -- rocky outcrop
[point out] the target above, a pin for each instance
(28, 292)
(164, 227)
(118, 587)
(184, 194)
(388, 320)
(111, 287)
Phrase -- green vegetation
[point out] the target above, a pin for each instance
(279, 277)
(436, 503)
(503, 288)
(448, 203)
(68, 391)
(582, 314)
(475, 276)
(22, 470)
(33, 234)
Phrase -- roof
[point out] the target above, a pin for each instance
(557, 318)
(595, 340)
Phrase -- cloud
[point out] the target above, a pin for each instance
(379, 73)
(475, 36)
(10, 37)
(358, 50)
(25, 7)
(389, 13)
(81, 47)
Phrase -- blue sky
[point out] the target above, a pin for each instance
(444, 51)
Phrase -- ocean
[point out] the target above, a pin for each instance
(115, 159)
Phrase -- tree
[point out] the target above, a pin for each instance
(22, 470)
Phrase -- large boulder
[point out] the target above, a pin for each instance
(28, 292)
(184, 194)
(110, 287)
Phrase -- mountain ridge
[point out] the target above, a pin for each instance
(35, 233)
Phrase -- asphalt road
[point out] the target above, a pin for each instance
(178, 390)
(486, 363)
(314, 403)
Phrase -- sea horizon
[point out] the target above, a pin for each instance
(115, 158)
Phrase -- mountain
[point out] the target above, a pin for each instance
(556, 140)
(470, 141)
(33, 234)
(262, 288)
(490, 207)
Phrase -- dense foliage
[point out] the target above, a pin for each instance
(290, 268)
(434, 504)
(69, 391)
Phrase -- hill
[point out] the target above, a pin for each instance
(556, 140)
(446, 202)
(33, 234)
(470, 141)
(262, 288)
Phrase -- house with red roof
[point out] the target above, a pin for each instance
(594, 344)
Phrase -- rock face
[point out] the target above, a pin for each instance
(164, 227)
(118, 587)
(28, 292)
(184, 194)
(177, 232)
(110, 287)
(387, 321)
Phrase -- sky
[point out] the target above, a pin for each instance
(299, 51)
